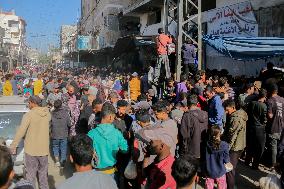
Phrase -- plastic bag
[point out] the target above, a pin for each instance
(229, 167)
(270, 182)
(130, 170)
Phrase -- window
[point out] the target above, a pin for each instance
(14, 35)
(13, 23)
(154, 17)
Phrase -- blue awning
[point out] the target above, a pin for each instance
(247, 48)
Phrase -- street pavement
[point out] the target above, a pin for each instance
(246, 177)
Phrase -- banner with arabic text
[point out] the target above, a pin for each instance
(233, 20)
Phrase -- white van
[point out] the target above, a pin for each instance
(12, 109)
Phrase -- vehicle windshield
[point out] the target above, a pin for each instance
(9, 122)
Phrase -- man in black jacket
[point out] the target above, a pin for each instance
(256, 135)
(193, 129)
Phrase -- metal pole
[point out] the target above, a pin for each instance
(179, 39)
(199, 36)
(166, 15)
(78, 58)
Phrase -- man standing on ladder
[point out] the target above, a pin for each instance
(189, 56)
(162, 42)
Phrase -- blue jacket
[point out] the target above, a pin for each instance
(215, 111)
(215, 160)
(107, 141)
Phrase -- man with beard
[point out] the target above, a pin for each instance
(123, 121)
(69, 101)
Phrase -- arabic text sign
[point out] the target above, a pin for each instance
(84, 42)
(233, 20)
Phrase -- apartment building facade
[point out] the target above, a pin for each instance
(14, 36)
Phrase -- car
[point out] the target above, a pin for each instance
(12, 109)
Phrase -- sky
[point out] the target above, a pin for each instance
(44, 19)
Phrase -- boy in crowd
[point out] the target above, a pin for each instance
(60, 123)
(107, 141)
(95, 117)
(81, 155)
(215, 107)
(184, 171)
(123, 121)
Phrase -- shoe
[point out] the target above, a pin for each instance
(256, 168)
(62, 164)
(57, 164)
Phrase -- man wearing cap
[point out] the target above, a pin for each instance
(34, 129)
(55, 95)
(158, 173)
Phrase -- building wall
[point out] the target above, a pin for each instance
(270, 21)
(14, 37)
(68, 36)
(101, 23)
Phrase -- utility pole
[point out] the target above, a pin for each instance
(78, 58)
(187, 18)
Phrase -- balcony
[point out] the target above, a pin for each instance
(142, 6)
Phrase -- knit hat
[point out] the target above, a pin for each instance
(159, 133)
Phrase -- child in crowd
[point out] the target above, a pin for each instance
(28, 91)
(60, 123)
(217, 155)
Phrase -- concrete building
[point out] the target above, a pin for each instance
(100, 19)
(68, 39)
(68, 35)
(14, 38)
(3, 50)
(150, 16)
(100, 22)
(32, 56)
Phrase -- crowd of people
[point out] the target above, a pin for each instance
(125, 131)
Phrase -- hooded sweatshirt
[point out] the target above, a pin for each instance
(235, 130)
(215, 160)
(107, 141)
(193, 132)
(60, 121)
(35, 128)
